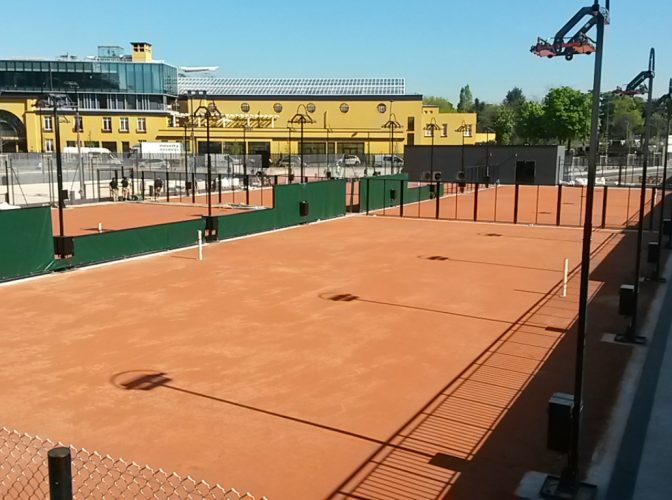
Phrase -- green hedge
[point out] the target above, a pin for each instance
(27, 244)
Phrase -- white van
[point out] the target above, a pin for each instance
(103, 155)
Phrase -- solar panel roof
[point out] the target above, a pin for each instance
(293, 86)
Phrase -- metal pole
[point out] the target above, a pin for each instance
(663, 190)
(571, 473)
(60, 473)
(207, 140)
(632, 331)
(303, 179)
(59, 170)
(186, 159)
(431, 160)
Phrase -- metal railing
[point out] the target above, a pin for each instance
(27, 472)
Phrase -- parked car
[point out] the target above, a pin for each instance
(349, 161)
(387, 160)
(290, 161)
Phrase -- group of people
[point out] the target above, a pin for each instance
(125, 189)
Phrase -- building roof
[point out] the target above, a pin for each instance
(293, 86)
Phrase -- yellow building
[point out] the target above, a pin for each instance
(117, 101)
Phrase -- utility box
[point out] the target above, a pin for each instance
(626, 300)
(667, 227)
(560, 408)
(653, 252)
(304, 208)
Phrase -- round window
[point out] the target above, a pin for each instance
(382, 107)
(277, 107)
(344, 108)
(245, 107)
(310, 108)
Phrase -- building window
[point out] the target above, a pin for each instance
(466, 130)
(277, 107)
(107, 124)
(48, 123)
(310, 107)
(344, 108)
(411, 123)
(123, 124)
(49, 146)
(79, 124)
(382, 107)
(245, 107)
(444, 130)
(71, 144)
(142, 125)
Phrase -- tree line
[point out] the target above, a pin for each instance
(561, 117)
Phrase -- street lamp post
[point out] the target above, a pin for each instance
(432, 127)
(80, 166)
(487, 156)
(301, 118)
(56, 102)
(185, 124)
(636, 86)
(246, 180)
(568, 483)
(664, 102)
(392, 124)
(208, 112)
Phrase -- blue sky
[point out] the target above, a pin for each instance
(437, 45)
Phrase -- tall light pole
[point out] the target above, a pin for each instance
(246, 180)
(80, 166)
(302, 119)
(432, 127)
(185, 123)
(392, 124)
(665, 103)
(208, 112)
(638, 85)
(568, 483)
(487, 156)
(56, 102)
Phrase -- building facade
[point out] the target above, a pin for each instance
(117, 101)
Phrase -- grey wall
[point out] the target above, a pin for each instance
(549, 162)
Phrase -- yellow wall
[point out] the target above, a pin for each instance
(363, 124)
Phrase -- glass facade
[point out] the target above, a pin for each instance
(90, 76)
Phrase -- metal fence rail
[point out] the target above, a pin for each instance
(24, 473)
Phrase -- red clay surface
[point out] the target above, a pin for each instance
(536, 205)
(306, 364)
(125, 215)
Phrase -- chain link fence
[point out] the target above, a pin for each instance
(24, 473)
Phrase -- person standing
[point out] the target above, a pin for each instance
(114, 189)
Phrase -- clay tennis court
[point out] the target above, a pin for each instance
(84, 219)
(369, 357)
(536, 205)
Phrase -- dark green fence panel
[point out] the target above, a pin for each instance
(114, 245)
(376, 192)
(26, 242)
(325, 200)
(242, 224)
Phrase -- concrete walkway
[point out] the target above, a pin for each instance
(643, 468)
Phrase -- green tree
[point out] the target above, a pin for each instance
(567, 114)
(627, 118)
(503, 125)
(466, 104)
(530, 124)
(445, 106)
(514, 98)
